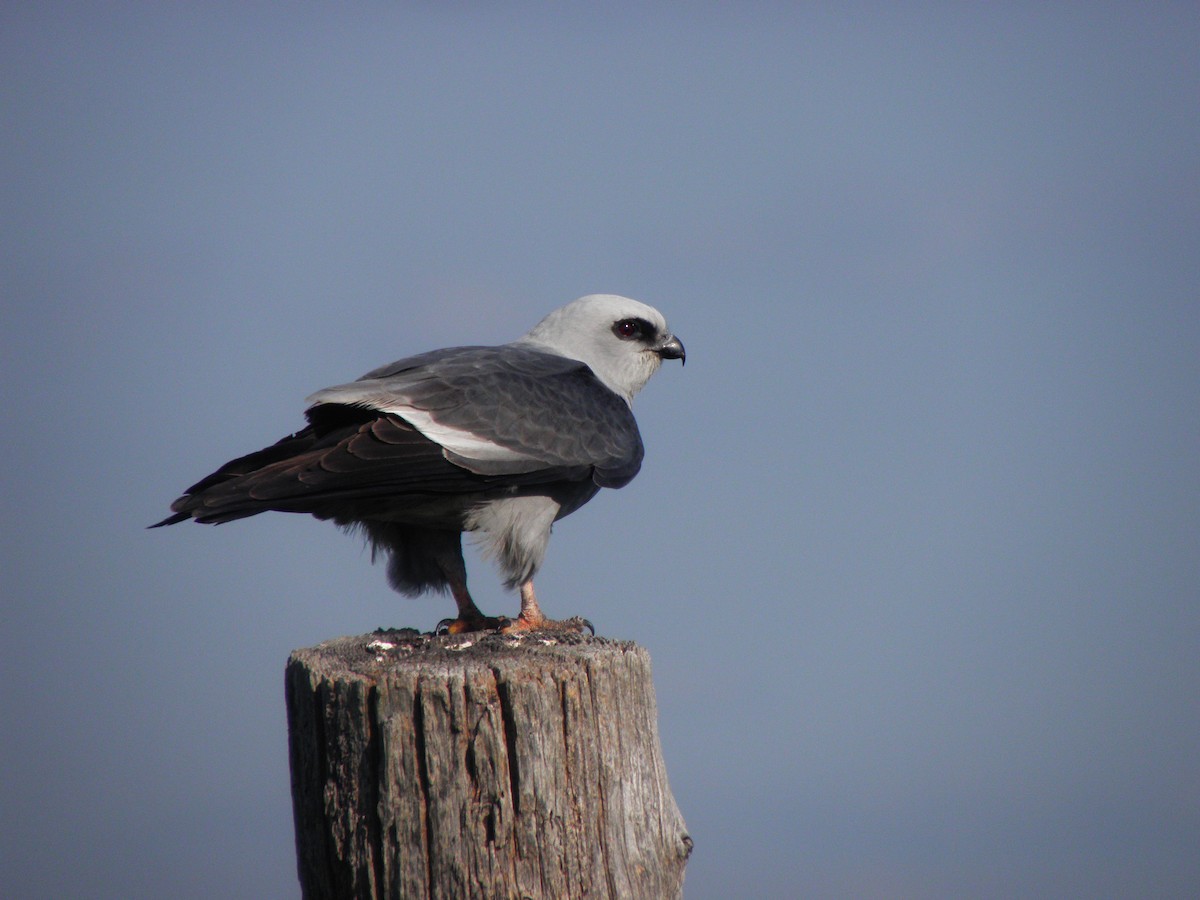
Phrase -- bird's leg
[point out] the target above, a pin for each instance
(533, 619)
(470, 617)
(531, 614)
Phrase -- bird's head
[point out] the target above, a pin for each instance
(621, 340)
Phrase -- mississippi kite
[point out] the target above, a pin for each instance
(500, 441)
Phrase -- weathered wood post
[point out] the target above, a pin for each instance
(482, 766)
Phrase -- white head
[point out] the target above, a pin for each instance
(622, 341)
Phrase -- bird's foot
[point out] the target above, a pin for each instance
(464, 624)
(522, 623)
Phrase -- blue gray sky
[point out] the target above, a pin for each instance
(915, 546)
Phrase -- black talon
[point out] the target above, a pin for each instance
(488, 624)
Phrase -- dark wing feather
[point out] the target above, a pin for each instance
(548, 410)
(348, 463)
(556, 421)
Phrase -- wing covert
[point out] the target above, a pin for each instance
(505, 411)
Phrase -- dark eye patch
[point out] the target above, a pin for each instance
(633, 329)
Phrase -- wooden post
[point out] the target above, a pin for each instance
(486, 766)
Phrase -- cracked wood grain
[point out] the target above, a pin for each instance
(480, 767)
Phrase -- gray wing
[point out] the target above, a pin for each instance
(505, 410)
(347, 464)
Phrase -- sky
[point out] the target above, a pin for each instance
(914, 548)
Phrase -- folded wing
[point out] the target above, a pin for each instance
(429, 428)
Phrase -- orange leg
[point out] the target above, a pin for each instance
(533, 619)
(470, 617)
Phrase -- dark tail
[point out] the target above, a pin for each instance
(329, 424)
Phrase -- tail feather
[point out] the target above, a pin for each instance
(219, 498)
(172, 520)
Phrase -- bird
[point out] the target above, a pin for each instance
(496, 441)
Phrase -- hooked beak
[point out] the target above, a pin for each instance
(671, 348)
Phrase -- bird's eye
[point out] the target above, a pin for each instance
(630, 328)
